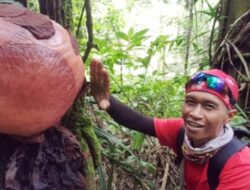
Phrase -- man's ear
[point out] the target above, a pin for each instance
(231, 114)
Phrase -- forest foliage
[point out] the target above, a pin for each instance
(147, 72)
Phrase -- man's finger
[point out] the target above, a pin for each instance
(93, 72)
(99, 68)
(105, 83)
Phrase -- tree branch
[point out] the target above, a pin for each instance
(80, 21)
(189, 34)
(89, 25)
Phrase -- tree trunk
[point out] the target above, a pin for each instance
(58, 10)
(77, 118)
(189, 29)
(233, 54)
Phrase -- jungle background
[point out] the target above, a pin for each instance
(150, 48)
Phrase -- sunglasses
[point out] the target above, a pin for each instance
(213, 82)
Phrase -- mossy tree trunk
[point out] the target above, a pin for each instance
(58, 10)
(233, 48)
(230, 11)
(77, 117)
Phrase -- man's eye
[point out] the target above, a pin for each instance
(189, 102)
(209, 107)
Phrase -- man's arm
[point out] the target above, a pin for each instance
(127, 117)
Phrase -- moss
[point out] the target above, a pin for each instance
(79, 119)
(93, 143)
(89, 170)
(67, 16)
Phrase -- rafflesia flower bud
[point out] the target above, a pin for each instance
(41, 71)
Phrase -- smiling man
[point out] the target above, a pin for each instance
(208, 107)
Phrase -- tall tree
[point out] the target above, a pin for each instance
(58, 10)
(77, 118)
(233, 48)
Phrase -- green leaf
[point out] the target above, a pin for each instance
(212, 10)
(131, 33)
(140, 33)
(238, 121)
(179, 41)
(102, 182)
(138, 139)
(122, 35)
(211, 14)
(148, 165)
(111, 138)
(195, 46)
(136, 42)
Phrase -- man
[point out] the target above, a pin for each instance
(208, 107)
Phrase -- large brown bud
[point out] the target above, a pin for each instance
(41, 71)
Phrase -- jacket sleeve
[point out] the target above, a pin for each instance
(167, 131)
(127, 117)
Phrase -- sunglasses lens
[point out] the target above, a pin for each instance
(215, 83)
(198, 77)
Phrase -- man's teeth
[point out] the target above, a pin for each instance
(194, 125)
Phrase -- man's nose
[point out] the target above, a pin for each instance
(196, 112)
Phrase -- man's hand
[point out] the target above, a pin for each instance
(99, 84)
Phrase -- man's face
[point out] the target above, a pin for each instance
(204, 116)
